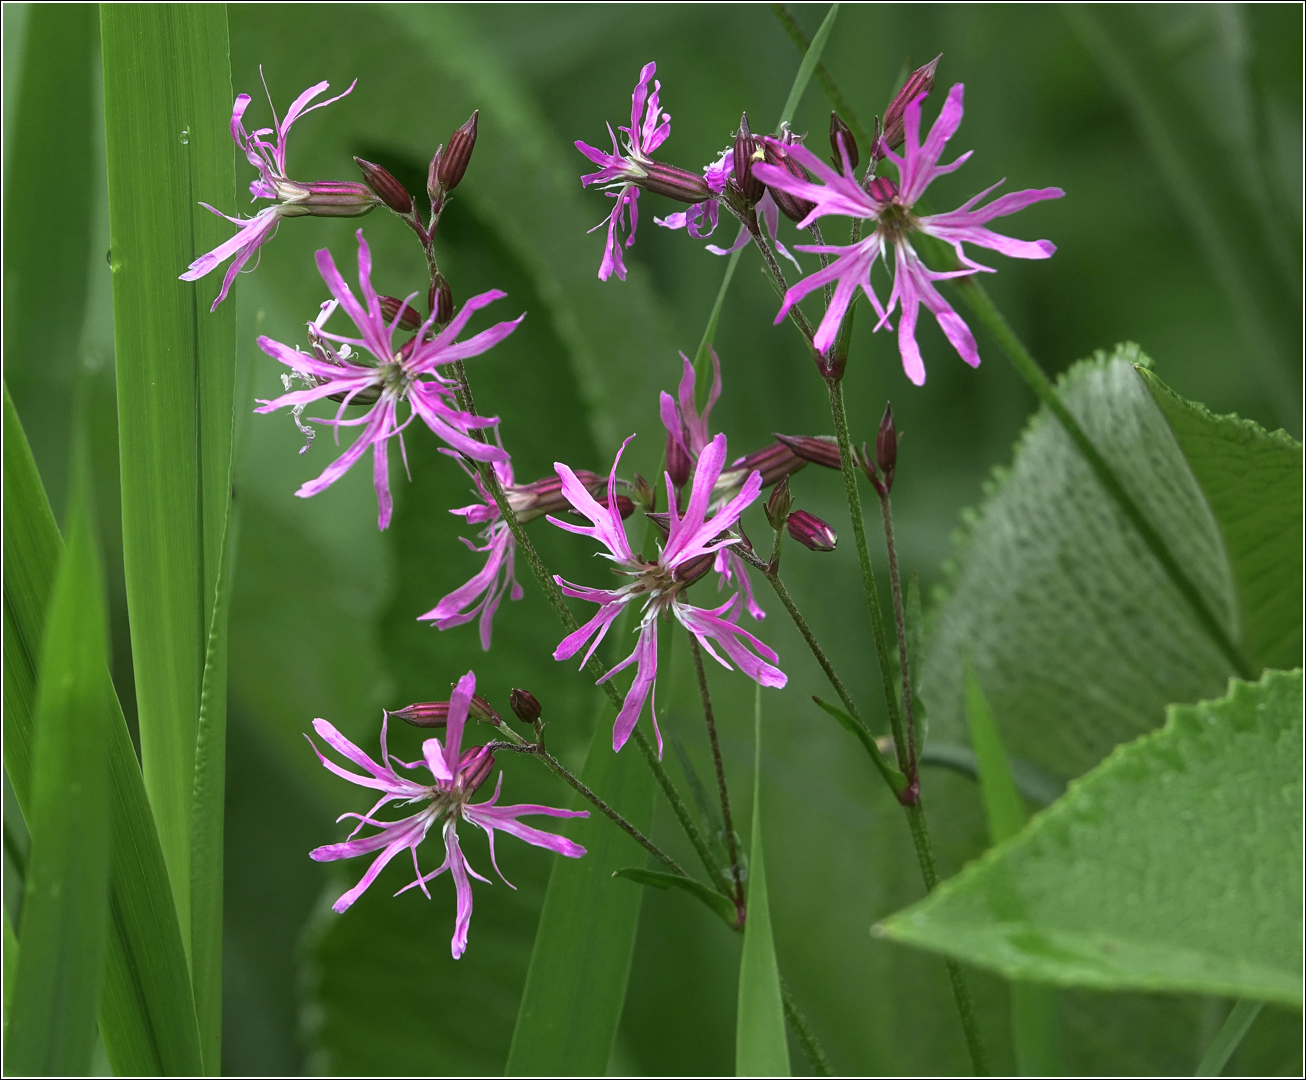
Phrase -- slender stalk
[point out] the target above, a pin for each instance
(900, 625)
(806, 1037)
(1028, 368)
(1236, 1024)
(796, 35)
(525, 746)
(697, 652)
(840, 415)
(594, 667)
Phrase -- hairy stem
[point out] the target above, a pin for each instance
(697, 652)
(900, 625)
(806, 1037)
(525, 746)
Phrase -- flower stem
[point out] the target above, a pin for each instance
(1028, 368)
(900, 625)
(840, 415)
(594, 667)
(525, 746)
(806, 1037)
(697, 652)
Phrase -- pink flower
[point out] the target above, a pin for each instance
(889, 206)
(455, 776)
(691, 546)
(408, 373)
(292, 198)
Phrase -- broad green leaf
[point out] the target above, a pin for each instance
(585, 938)
(1077, 636)
(713, 899)
(66, 889)
(147, 1013)
(761, 1048)
(1175, 865)
(167, 93)
(50, 162)
(1252, 480)
(1035, 1013)
(1184, 76)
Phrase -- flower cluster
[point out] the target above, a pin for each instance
(455, 776)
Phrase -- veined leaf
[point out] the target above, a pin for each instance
(1174, 865)
(147, 1013)
(1035, 1011)
(66, 889)
(761, 1047)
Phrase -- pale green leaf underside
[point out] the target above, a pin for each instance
(1175, 865)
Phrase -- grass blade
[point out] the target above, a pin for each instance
(147, 1014)
(583, 943)
(1236, 1025)
(761, 1048)
(167, 88)
(65, 895)
(805, 69)
(721, 905)
(1035, 1011)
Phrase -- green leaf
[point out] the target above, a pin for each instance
(576, 983)
(1034, 784)
(65, 893)
(915, 626)
(761, 1048)
(722, 905)
(147, 1013)
(1252, 480)
(167, 100)
(1175, 865)
(1035, 1012)
(10, 969)
(810, 59)
(1077, 635)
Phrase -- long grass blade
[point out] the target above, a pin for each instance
(147, 1013)
(65, 893)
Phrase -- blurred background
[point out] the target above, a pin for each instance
(1176, 134)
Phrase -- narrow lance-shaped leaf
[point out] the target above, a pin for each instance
(761, 1048)
(66, 891)
(167, 91)
(147, 1013)
(1175, 865)
(1035, 1011)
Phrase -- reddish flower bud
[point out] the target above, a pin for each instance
(820, 449)
(679, 466)
(389, 190)
(774, 462)
(886, 447)
(778, 505)
(544, 496)
(841, 133)
(662, 521)
(327, 198)
(453, 161)
(525, 705)
(391, 306)
(674, 183)
(920, 81)
(810, 531)
(882, 189)
(439, 299)
(478, 770)
(794, 208)
(436, 713)
(625, 504)
(690, 572)
(745, 151)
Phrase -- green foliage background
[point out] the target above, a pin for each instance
(322, 616)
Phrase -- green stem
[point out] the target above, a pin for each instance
(697, 652)
(840, 415)
(806, 1037)
(1236, 1024)
(900, 625)
(979, 302)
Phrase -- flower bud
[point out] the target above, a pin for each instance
(674, 183)
(774, 462)
(453, 161)
(920, 81)
(427, 714)
(794, 208)
(881, 189)
(679, 467)
(389, 190)
(544, 496)
(625, 504)
(433, 191)
(819, 449)
(439, 299)
(841, 134)
(690, 572)
(662, 521)
(810, 531)
(525, 705)
(778, 505)
(326, 198)
(391, 306)
(477, 770)
(886, 447)
(644, 493)
(746, 147)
